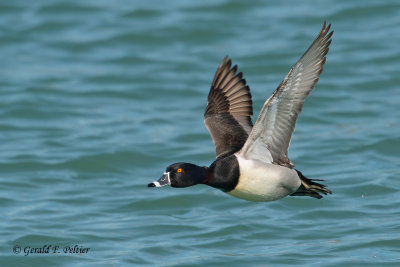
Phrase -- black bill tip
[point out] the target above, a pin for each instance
(151, 185)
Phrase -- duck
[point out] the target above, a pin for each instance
(252, 160)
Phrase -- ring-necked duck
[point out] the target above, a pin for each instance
(252, 162)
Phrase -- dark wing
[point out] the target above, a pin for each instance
(270, 137)
(228, 111)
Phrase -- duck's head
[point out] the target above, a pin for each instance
(181, 175)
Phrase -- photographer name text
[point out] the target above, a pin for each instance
(50, 249)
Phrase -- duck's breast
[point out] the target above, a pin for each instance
(260, 181)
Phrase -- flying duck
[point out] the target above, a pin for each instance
(252, 161)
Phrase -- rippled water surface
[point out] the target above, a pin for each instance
(98, 97)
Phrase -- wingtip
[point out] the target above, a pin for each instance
(325, 29)
(328, 27)
(224, 62)
(226, 59)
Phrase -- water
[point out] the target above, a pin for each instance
(98, 97)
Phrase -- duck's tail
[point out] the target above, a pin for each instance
(310, 188)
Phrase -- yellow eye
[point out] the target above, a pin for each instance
(179, 170)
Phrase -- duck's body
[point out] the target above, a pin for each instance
(260, 181)
(252, 162)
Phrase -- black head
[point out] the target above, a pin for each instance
(181, 175)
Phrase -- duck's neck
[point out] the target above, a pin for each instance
(223, 173)
(208, 175)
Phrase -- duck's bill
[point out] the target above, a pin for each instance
(163, 181)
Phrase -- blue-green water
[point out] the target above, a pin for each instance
(98, 97)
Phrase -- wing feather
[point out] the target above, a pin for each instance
(270, 137)
(229, 109)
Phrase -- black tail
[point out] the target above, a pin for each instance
(310, 188)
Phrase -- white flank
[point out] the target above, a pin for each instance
(260, 181)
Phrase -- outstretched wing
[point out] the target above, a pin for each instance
(229, 109)
(270, 137)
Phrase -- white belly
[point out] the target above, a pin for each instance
(260, 181)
